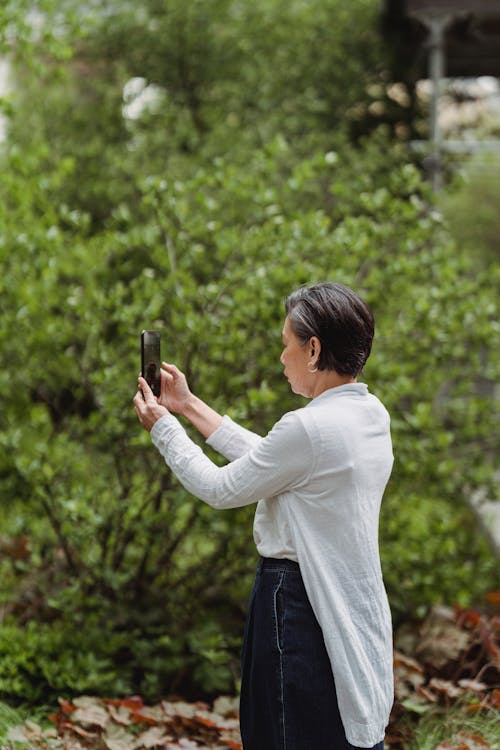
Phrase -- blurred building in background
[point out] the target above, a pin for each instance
(449, 50)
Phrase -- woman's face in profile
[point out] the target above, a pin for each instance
(294, 359)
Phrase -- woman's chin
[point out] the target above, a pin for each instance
(295, 387)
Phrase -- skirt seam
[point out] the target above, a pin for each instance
(281, 655)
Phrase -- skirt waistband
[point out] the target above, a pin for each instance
(273, 563)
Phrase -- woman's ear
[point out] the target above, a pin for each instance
(314, 348)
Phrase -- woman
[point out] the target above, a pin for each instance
(317, 654)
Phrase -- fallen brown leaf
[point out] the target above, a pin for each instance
(92, 715)
(153, 737)
(120, 714)
(465, 741)
(117, 738)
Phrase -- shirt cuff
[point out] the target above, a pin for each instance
(221, 438)
(164, 430)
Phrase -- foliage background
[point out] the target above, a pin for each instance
(252, 165)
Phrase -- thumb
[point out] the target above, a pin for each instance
(148, 394)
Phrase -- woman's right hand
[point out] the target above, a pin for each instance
(175, 394)
(176, 397)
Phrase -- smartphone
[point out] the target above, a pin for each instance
(150, 360)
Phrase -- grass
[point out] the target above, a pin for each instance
(446, 726)
(9, 717)
(12, 717)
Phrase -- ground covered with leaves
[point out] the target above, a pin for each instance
(128, 724)
(450, 659)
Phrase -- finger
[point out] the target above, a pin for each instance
(166, 385)
(138, 401)
(148, 394)
(139, 408)
(166, 377)
(171, 369)
(143, 386)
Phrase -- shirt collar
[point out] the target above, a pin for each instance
(348, 389)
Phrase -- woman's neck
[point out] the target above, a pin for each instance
(327, 379)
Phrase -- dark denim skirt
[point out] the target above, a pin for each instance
(288, 699)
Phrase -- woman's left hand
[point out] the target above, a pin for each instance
(146, 405)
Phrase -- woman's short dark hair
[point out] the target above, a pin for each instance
(340, 319)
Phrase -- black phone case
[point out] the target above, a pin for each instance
(150, 360)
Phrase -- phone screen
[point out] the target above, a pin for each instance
(150, 360)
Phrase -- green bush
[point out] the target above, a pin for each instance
(41, 661)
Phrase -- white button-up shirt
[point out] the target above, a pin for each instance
(318, 478)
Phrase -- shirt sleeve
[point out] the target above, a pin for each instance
(231, 440)
(281, 460)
